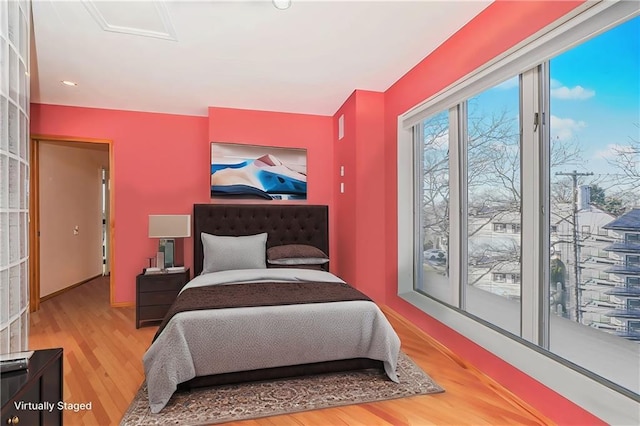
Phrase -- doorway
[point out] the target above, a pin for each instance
(71, 220)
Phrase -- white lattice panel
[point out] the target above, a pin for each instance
(14, 175)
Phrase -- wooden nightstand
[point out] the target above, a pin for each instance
(155, 294)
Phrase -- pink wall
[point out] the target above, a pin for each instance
(313, 132)
(161, 164)
(345, 204)
(370, 165)
(475, 44)
(361, 152)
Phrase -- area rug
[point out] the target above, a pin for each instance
(262, 399)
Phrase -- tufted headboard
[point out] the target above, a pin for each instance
(285, 224)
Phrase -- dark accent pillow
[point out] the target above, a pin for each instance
(313, 267)
(296, 254)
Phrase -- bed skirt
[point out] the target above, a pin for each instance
(281, 372)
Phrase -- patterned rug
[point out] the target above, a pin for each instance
(262, 399)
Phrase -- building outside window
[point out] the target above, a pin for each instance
(499, 227)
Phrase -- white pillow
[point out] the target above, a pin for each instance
(227, 253)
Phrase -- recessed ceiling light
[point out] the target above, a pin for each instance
(282, 4)
(69, 83)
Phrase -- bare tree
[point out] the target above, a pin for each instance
(435, 194)
(626, 159)
(493, 179)
(561, 191)
(564, 153)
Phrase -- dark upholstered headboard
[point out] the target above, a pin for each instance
(285, 224)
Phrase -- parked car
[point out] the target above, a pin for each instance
(435, 256)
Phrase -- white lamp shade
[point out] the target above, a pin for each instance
(169, 226)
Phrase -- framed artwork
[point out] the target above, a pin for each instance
(253, 171)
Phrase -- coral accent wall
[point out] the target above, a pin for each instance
(345, 203)
(370, 177)
(161, 164)
(313, 132)
(475, 44)
(361, 153)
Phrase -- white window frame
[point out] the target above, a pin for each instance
(596, 396)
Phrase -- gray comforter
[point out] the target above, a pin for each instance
(200, 343)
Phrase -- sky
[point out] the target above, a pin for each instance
(595, 95)
(595, 90)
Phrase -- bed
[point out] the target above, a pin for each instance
(224, 340)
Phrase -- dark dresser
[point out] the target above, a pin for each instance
(40, 385)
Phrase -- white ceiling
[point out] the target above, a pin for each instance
(184, 56)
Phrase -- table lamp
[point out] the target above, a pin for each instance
(171, 230)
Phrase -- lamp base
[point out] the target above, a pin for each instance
(173, 253)
(160, 260)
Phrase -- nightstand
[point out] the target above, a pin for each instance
(155, 293)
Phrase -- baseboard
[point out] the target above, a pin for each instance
(123, 304)
(71, 287)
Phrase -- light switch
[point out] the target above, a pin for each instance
(341, 127)
(342, 187)
(341, 170)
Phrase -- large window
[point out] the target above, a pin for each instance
(529, 200)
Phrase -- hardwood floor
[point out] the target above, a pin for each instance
(103, 365)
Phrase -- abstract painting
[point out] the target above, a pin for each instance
(253, 171)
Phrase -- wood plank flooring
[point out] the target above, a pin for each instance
(103, 365)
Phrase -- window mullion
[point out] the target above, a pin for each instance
(418, 216)
(532, 206)
(544, 87)
(457, 200)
